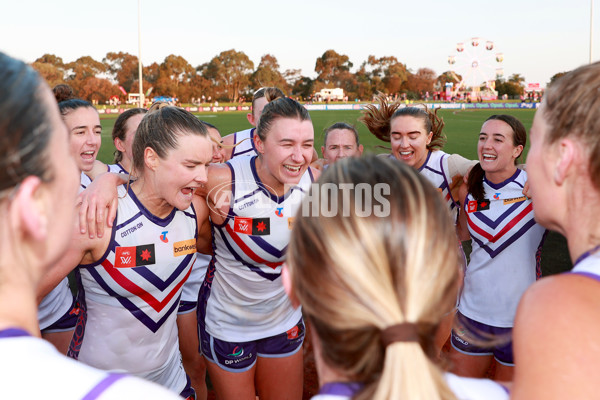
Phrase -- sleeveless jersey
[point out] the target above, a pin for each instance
(505, 259)
(588, 265)
(129, 297)
(191, 288)
(245, 143)
(247, 300)
(117, 168)
(436, 170)
(30, 364)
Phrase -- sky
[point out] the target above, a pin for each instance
(538, 38)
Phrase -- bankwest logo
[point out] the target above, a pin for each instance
(184, 247)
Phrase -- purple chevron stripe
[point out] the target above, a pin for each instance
(267, 247)
(158, 282)
(493, 253)
(480, 215)
(269, 276)
(132, 308)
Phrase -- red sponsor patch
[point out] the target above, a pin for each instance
(125, 257)
(242, 225)
(472, 206)
(293, 333)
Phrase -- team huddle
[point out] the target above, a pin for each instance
(195, 254)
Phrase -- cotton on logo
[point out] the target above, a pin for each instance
(248, 200)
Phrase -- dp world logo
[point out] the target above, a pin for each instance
(237, 352)
(251, 200)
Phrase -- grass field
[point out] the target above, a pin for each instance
(462, 129)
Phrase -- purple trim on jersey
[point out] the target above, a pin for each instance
(133, 309)
(108, 248)
(586, 255)
(102, 386)
(425, 163)
(312, 178)
(160, 283)
(234, 154)
(130, 220)
(269, 276)
(153, 218)
(275, 198)
(230, 212)
(517, 235)
(445, 184)
(258, 189)
(346, 389)
(587, 274)
(493, 223)
(123, 170)
(500, 185)
(13, 332)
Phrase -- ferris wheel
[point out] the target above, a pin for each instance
(478, 64)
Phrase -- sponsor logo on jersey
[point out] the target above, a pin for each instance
(163, 237)
(184, 247)
(252, 226)
(279, 211)
(496, 196)
(475, 205)
(133, 256)
(515, 200)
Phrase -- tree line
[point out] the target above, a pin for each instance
(231, 76)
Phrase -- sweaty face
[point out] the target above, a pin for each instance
(286, 152)
(85, 136)
(183, 170)
(496, 150)
(409, 140)
(341, 143)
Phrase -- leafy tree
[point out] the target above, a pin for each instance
(517, 79)
(267, 74)
(511, 89)
(422, 81)
(123, 69)
(303, 87)
(84, 75)
(51, 59)
(229, 72)
(53, 74)
(332, 68)
(174, 76)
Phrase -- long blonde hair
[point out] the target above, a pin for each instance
(358, 275)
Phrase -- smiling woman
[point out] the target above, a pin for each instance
(131, 280)
(251, 335)
(506, 245)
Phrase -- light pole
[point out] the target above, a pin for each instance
(140, 56)
(591, 27)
